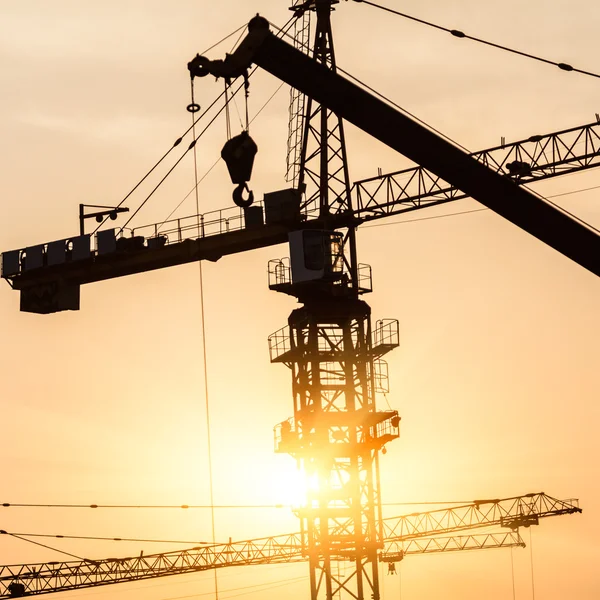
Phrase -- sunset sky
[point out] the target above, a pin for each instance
(496, 378)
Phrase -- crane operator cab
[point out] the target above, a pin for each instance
(316, 255)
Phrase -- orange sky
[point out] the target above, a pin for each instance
(496, 377)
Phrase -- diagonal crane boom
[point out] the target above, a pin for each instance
(405, 135)
(409, 534)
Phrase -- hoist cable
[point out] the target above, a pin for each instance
(204, 364)
(283, 31)
(512, 571)
(218, 159)
(531, 560)
(227, 113)
(460, 34)
(177, 141)
(192, 144)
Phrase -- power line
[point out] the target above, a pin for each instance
(202, 577)
(105, 539)
(183, 506)
(270, 584)
(460, 34)
(209, 506)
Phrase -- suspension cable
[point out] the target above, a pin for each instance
(282, 31)
(204, 362)
(177, 141)
(394, 104)
(531, 560)
(190, 147)
(218, 160)
(460, 34)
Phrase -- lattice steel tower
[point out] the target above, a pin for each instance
(334, 355)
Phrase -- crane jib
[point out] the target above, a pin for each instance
(354, 104)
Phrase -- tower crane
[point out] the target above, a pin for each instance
(417, 533)
(336, 434)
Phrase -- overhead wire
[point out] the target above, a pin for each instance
(200, 577)
(270, 585)
(460, 34)
(205, 367)
(190, 147)
(208, 506)
(106, 539)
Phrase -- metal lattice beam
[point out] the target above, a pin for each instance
(519, 511)
(396, 551)
(536, 158)
(409, 534)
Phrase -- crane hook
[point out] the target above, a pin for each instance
(238, 196)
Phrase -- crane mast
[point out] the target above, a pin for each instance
(336, 432)
(330, 345)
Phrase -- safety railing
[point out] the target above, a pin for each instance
(386, 334)
(203, 225)
(280, 272)
(279, 344)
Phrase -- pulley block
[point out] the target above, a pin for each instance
(238, 154)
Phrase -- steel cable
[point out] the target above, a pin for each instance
(459, 34)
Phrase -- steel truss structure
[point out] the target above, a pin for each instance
(329, 344)
(520, 511)
(297, 99)
(323, 168)
(421, 538)
(536, 158)
(396, 551)
(224, 232)
(335, 435)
